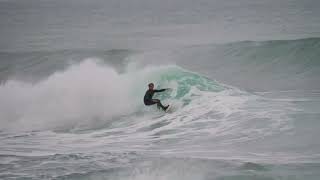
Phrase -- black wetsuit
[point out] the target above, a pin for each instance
(149, 101)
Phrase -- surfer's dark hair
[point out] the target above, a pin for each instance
(150, 84)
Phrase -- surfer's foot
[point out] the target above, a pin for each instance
(165, 108)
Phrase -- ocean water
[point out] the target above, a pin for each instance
(244, 78)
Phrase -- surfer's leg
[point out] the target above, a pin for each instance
(159, 104)
(157, 101)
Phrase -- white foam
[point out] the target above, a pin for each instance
(79, 95)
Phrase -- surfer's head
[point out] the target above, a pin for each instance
(151, 85)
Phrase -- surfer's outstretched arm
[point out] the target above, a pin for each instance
(159, 90)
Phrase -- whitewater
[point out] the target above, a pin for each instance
(244, 80)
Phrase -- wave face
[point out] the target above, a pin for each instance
(90, 91)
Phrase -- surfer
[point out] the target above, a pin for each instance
(148, 97)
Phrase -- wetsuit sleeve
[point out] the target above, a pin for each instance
(159, 90)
